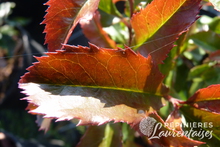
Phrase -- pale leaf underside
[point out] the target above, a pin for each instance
(89, 105)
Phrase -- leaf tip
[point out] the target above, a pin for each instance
(93, 48)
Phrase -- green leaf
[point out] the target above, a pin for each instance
(207, 40)
(109, 7)
(108, 135)
(198, 71)
(215, 25)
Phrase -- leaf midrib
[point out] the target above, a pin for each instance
(112, 88)
(160, 26)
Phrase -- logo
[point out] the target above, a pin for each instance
(153, 129)
(147, 126)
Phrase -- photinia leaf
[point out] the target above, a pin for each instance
(118, 32)
(62, 17)
(93, 31)
(108, 135)
(162, 134)
(106, 19)
(160, 23)
(93, 84)
(170, 61)
(207, 99)
(98, 67)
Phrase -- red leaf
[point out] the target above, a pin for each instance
(62, 17)
(94, 66)
(158, 25)
(207, 99)
(95, 85)
(93, 31)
